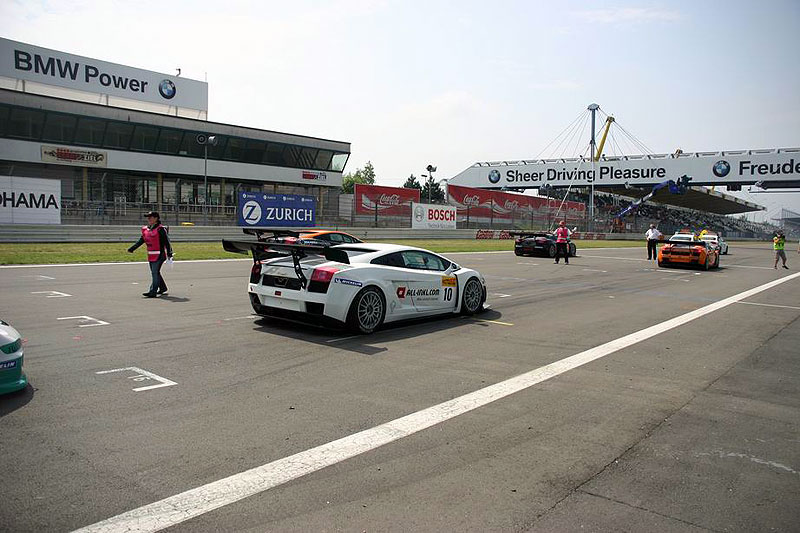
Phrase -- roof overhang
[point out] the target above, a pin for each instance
(698, 198)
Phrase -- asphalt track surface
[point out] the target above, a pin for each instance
(691, 424)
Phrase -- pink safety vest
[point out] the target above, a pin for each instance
(153, 241)
(562, 234)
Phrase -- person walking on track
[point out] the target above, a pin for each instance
(652, 236)
(562, 242)
(154, 235)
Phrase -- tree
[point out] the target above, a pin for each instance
(432, 191)
(364, 177)
(412, 183)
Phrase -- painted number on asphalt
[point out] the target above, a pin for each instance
(142, 376)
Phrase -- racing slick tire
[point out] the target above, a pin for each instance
(716, 263)
(518, 253)
(551, 251)
(661, 264)
(707, 264)
(367, 311)
(573, 250)
(473, 297)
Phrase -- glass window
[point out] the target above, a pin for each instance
(118, 135)
(59, 128)
(307, 157)
(291, 155)
(254, 151)
(144, 138)
(190, 146)
(323, 160)
(4, 112)
(90, 131)
(422, 260)
(26, 123)
(215, 152)
(394, 259)
(274, 154)
(235, 149)
(169, 141)
(339, 160)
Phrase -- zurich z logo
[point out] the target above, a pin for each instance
(251, 212)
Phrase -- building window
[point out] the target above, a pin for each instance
(235, 149)
(4, 112)
(189, 146)
(307, 157)
(323, 159)
(274, 154)
(59, 128)
(118, 135)
(169, 141)
(291, 155)
(25, 123)
(254, 151)
(339, 160)
(144, 138)
(90, 131)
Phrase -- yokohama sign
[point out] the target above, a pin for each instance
(387, 201)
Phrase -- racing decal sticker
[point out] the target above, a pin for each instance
(5, 365)
(448, 281)
(401, 292)
(354, 283)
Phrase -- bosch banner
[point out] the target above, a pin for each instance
(276, 210)
(387, 201)
(433, 216)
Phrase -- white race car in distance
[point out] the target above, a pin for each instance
(361, 285)
(716, 239)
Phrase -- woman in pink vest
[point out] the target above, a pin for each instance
(154, 235)
(562, 240)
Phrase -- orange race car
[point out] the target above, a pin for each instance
(681, 251)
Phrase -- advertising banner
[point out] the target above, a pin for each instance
(71, 156)
(29, 201)
(276, 210)
(479, 204)
(27, 62)
(388, 201)
(432, 216)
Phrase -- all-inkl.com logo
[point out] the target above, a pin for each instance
(167, 89)
(721, 168)
(494, 175)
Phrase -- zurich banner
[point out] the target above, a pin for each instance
(275, 210)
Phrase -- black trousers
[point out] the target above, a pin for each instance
(561, 248)
(652, 250)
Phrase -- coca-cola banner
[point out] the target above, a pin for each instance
(389, 201)
(497, 205)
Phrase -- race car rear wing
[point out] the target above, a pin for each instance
(270, 250)
(524, 234)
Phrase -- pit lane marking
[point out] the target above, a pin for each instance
(142, 375)
(770, 305)
(205, 498)
(491, 321)
(748, 266)
(84, 318)
(594, 270)
(53, 294)
(619, 258)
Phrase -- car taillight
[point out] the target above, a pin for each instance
(255, 272)
(324, 274)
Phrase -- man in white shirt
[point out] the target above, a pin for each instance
(652, 236)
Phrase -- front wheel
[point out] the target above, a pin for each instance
(573, 250)
(367, 311)
(472, 298)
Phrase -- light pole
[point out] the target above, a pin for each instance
(205, 140)
(431, 169)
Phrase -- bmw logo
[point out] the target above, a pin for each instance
(494, 175)
(721, 168)
(167, 89)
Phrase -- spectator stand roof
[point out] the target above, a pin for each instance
(698, 198)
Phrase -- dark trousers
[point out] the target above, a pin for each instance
(158, 281)
(652, 250)
(561, 248)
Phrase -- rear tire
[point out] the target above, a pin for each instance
(551, 251)
(472, 298)
(367, 311)
(573, 250)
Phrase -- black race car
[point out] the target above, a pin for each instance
(538, 243)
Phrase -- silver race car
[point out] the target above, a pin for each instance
(361, 285)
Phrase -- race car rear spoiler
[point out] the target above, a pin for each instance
(529, 233)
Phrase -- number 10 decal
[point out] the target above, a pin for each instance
(448, 294)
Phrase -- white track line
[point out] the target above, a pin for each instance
(771, 305)
(195, 502)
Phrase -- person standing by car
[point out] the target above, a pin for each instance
(154, 235)
(779, 243)
(652, 236)
(562, 242)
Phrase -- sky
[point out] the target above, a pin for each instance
(416, 82)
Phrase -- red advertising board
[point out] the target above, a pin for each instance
(389, 201)
(498, 205)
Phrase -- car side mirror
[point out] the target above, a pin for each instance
(452, 268)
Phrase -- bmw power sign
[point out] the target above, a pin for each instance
(276, 210)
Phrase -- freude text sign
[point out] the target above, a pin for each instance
(276, 210)
(29, 201)
(432, 216)
(51, 67)
(705, 168)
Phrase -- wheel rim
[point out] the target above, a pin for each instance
(370, 308)
(472, 295)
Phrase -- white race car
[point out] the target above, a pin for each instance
(360, 285)
(716, 239)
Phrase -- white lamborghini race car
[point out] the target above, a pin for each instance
(360, 285)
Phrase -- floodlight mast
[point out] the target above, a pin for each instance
(593, 108)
